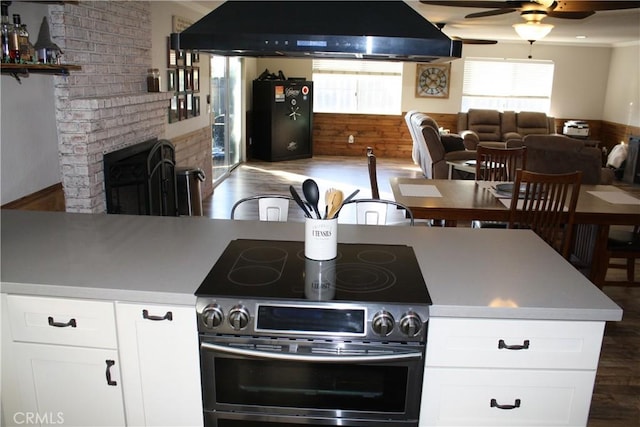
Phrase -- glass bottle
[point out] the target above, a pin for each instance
(23, 39)
(153, 80)
(6, 28)
(14, 42)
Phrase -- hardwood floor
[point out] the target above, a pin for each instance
(344, 173)
(616, 398)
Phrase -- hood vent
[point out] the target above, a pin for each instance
(384, 30)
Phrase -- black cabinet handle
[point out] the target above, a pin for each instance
(495, 404)
(110, 363)
(167, 316)
(71, 323)
(524, 346)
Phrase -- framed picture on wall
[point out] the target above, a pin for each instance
(171, 80)
(433, 80)
(188, 80)
(172, 56)
(196, 79)
(173, 110)
(182, 107)
(189, 105)
(181, 80)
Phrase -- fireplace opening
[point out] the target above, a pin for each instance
(141, 179)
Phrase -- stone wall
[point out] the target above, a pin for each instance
(105, 106)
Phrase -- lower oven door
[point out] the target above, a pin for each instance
(270, 382)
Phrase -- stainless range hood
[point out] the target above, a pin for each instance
(383, 30)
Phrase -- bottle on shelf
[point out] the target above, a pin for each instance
(6, 28)
(153, 80)
(24, 50)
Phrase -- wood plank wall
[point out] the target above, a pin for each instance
(389, 135)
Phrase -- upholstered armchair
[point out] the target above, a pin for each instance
(432, 150)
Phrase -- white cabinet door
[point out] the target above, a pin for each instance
(62, 385)
(160, 364)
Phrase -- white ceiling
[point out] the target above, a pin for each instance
(606, 28)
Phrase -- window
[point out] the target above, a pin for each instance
(507, 84)
(348, 86)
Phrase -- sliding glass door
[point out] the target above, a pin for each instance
(226, 115)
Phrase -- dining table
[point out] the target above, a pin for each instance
(599, 207)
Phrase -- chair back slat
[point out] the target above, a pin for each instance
(546, 204)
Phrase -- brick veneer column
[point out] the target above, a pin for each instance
(104, 106)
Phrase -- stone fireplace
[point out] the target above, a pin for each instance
(105, 106)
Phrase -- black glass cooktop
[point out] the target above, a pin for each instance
(278, 270)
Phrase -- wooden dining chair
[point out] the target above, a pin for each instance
(373, 173)
(622, 244)
(499, 164)
(546, 204)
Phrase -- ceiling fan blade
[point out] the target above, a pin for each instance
(475, 41)
(590, 6)
(509, 4)
(570, 15)
(489, 13)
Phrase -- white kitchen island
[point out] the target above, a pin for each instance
(512, 323)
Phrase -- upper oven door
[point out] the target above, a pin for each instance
(310, 378)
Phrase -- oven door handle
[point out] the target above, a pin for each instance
(308, 358)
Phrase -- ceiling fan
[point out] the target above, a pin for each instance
(441, 25)
(578, 9)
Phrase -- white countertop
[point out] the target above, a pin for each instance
(488, 273)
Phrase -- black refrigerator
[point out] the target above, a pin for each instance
(282, 120)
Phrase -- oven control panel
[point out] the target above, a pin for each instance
(319, 319)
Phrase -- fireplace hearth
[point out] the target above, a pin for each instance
(141, 179)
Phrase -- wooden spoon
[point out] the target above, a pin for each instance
(334, 203)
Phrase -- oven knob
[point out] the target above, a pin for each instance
(382, 323)
(238, 317)
(410, 324)
(212, 316)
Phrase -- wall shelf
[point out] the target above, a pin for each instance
(17, 70)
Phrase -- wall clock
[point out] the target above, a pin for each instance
(432, 80)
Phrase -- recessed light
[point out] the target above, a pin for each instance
(581, 37)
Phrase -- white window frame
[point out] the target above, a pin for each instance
(507, 84)
(357, 87)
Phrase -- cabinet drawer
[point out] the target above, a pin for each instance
(62, 321)
(463, 397)
(487, 343)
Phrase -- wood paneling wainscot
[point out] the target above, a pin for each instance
(387, 134)
(47, 199)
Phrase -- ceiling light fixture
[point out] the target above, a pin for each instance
(532, 30)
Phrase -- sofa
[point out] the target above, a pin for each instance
(561, 154)
(494, 128)
(431, 151)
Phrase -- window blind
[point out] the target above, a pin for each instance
(507, 84)
(507, 77)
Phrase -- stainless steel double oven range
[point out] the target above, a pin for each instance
(287, 341)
